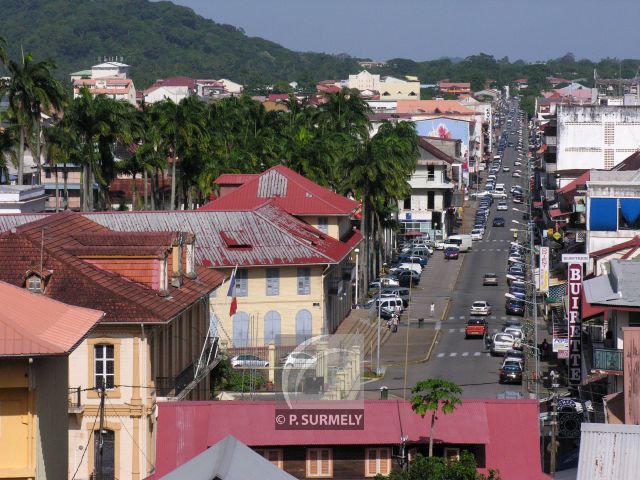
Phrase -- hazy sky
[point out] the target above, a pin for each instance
(426, 29)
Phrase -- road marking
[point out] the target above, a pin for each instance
(488, 354)
(465, 354)
(440, 355)
(461, 317)
(453, 354)
(503, 318)
(452, 318)
(490, 250)
(452, 330)
(438, 325)
(477, 354)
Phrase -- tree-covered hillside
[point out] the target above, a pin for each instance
(158, 39)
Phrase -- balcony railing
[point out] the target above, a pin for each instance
(607, 360)
(74, 402)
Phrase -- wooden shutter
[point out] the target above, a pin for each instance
(275, 457)
(377, 461)
(385, 461)
(312, 462)
(325, 462)
(370, 462)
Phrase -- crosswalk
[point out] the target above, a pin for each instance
(488, 317)
(463, 354)
(491, 250)
(461, 330)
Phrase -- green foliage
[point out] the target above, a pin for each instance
(438, 468)
(159, 39)
(225, 377)
(429, 395)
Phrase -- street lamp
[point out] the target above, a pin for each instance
(357, 252)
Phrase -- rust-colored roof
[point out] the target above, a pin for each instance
(77, 282)
(234, 178)
(289, 190)
(435, 151)
(32, 324)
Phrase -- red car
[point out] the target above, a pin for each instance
(451, 253)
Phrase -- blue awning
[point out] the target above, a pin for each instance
(630, 208)
(603, 214)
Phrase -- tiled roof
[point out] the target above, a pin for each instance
(80, 283)
(266, 236)
(179, 81)
(186, 429)
(433, 107)
(32, 324)
(289, 190)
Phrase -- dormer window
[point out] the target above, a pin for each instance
(35, 284)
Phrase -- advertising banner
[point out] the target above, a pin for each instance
(544, 270)
(574, 274)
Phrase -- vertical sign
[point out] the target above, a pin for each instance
(544, 270)
(574, 272)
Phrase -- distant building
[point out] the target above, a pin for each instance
(103, 70)
(454, 88)
(116, 88)
(173, 88)
(388, 88)
(22, 198)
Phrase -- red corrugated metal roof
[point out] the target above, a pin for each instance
(556, 212)
(289, 190)
(32, 324)
(633, 243)
(508, 429)
(571, 186)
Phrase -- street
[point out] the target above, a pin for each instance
(465, 362)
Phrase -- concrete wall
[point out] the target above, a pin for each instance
(596, 136)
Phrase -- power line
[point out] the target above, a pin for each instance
(95, 420)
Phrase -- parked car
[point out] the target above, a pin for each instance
(300, 360)
(451, 253)
(511, 372)
(514, 307)
(501, 342)
(403, 292)
(480, 307)
(498, 222)
(490, 279)
(407, 278)
(383, 282)
(248, 361)
(476, 327)
(476, 234)
(422, 261)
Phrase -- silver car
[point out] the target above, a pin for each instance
(248, 361)
(501, 343)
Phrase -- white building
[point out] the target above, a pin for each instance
(364, 81)
(22, 198)
(596, 137)
(232, 87)
(111, 69)
(174, 89)
(116, 88)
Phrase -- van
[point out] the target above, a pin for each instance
(463, 242)
(395, 304)
(402, 292)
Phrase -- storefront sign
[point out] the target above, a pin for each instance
(544, 270)
(575, 257)
(574, 273)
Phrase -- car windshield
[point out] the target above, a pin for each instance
(504, 338)
(475, 322)
(489, 275)
(478, 304)
(512, 366)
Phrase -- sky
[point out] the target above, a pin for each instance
(530, 30)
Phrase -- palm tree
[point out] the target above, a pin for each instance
(379, 172)
(31, 90)
(433, 395)
(61, 148)
(182, 126)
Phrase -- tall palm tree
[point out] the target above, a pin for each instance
(61, 149)
(31, 90)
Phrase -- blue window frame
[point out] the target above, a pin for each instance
(242, 283)
(241, 329)
(273, 281)
(272, 326)
(303, 326)
(304, 281)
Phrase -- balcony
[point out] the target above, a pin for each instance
(74, 401)
(608, 361)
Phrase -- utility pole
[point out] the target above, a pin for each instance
(554, 424)
(100, 439)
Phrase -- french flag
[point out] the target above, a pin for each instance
(232, 293)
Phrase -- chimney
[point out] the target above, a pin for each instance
(189, 252)
(176, 262)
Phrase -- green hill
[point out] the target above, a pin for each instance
(158, 39)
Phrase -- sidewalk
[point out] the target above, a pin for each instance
(414, 340)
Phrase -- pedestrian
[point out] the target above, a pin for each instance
(389, 323)
(544, 348)
(396, 321)
(433, 309)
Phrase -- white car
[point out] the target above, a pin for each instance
(515, 332)
(476, 234)
(416, 267)
(498, 194)
(248, 361)
(501, 343)
(439, 245)
(300, 360)
(505, 169)
(384, 282)
(516, 174)
(502, 206)
(480, 307)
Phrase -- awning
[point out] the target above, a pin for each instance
(556, 213)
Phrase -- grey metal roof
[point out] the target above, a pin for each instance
(609, 451)
(229, 459)
(621, 287)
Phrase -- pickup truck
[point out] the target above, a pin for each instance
(476, 327)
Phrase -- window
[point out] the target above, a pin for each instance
(273, 281)
(452, 454)
(272, 326)
(107, 451)
(34, 284)
(609, 133)
(303, 326)
(104, 371)
(242, 283)
(241, 329)
(377, 462)
(323, 224)
(407, 203)
(431, 173)
(319, 462)
(431, 195)
(304, 281)
(47, 173)
(629, 214)
(273, 455)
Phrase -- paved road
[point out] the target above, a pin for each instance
(467, 362)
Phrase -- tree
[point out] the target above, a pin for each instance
(433, 395)
(438, 468)
(31, 90)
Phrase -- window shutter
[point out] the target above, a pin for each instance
(370, 462)
(325, 466)
(312, 462)
(385, 461)
(275, 457)
(273, 281)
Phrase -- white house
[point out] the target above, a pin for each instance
(596, 137)
(364, 81)
(174, 89)
(116, 88)
(232, 87)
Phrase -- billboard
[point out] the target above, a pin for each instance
(447, 128)
(574, 274)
